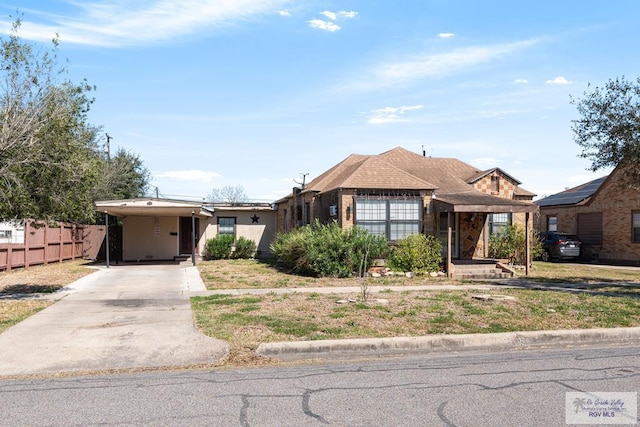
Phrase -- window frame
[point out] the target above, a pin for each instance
(502, 225)
(635, 227)
(233, 219)
(555, 225)
(392, 222)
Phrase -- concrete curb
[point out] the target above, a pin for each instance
(376, 347)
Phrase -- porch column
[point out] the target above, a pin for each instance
(193, 238)
(527, 250)
(106, 221)
(449, 245)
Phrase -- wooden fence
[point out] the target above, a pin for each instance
(45, 243)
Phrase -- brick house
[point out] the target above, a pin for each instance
(603, 213)
(398, 193)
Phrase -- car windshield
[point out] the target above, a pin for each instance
(567, 237)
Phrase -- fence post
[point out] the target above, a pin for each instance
(9, 256)
(74, 230)
(27, 233)
(61, 239)
(46, 245)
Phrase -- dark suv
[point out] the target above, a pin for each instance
(559, 245)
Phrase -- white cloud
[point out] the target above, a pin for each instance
(331, 15)
(330, 26)
(342, 14)
(446, 35)
(521, 81)
(188, 175)
(324, 25)
(440, 64)
(348, 14)
(559, 81)
(284, 12)
(119, 22)
(391, 114)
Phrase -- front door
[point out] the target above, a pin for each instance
(186, 236)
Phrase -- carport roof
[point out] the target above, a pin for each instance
(152, 207)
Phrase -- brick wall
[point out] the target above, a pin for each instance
(616, 202)
(506, 186)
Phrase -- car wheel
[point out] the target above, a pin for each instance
(545, 256)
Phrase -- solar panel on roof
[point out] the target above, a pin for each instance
(571, 197)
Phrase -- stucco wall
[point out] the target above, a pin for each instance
(262, 232)
(149, 238)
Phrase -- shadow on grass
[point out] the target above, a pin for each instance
(612, 288)
(28, 289)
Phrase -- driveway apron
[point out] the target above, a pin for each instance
(123, 317)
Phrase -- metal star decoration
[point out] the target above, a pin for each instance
(254, 219)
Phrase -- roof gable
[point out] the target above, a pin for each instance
(477, 177)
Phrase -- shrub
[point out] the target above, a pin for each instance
(219, 247)
(417, 253)
(327, 250)
(511, 245)
(245, 248)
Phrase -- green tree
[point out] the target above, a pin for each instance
(609, 128)
(123, 176)
(49, 164)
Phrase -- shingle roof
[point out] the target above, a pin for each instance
(573, 196)
(401, 169)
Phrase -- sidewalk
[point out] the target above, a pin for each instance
(123, 317)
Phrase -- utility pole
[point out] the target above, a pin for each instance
(109, 138)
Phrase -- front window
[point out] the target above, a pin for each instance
(552, 223)
(498, 223)
(392, 218)
(635, 234)
(226, 225)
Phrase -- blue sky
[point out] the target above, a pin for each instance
(257, 93)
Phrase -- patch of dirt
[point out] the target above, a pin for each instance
(245, 356)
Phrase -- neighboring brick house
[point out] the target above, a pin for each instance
(399, 193)
(603, 213)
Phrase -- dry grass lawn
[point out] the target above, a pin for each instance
(248, 320)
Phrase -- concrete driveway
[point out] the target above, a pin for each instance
(129, 316)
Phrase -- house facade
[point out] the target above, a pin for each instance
(399, 193)
(163, 229)
(11, 232)
(603, 213)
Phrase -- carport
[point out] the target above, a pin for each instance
(157, 229)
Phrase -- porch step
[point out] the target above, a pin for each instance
(479, 271)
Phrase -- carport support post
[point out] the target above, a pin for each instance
(527, 249)
(193, 238)
(106, 221)
(449, 246)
